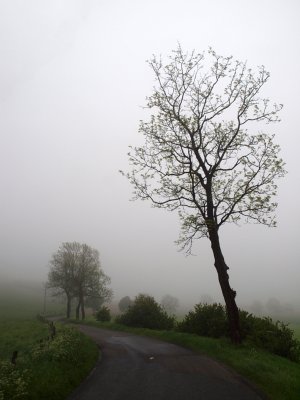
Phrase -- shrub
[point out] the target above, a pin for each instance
(103, 314)
(13, 382)
(275, 337)
(206, 320)
(211, 321)
(64, 347)
(45, 368)
(145, 312)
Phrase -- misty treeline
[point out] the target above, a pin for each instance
(207, 320)
(76, 272)
(202, 154)
(168, 302)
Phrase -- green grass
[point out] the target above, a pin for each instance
(20, 335)
(21, 300)
(275, 376)
(45, 369)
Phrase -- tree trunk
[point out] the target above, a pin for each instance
(82, 306)
(82, 309)
(68, 306)
(77, 309)
(228, 293)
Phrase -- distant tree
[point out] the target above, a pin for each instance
(89, 280)
(95, 302)
(276, 308)
(124, 303)
(206, 299)
(287, 308)
(61, 274)
(169, 303)
(256, 307)
(273, 306)
(75, 268)
(201, 156)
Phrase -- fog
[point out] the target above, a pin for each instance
(73, 82)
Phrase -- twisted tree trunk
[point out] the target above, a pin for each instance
(69, 299)
(228, 293)
(80, 306)
(78, 309)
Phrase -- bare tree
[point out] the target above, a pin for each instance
(202, 155)
(75, 269)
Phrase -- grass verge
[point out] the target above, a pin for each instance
(44, 369)
(275, 376)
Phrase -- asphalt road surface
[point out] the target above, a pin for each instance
(140, 368)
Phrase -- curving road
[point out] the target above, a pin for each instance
(140, 368)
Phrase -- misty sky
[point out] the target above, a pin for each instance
(73, 80)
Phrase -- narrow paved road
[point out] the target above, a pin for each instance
(140, 368)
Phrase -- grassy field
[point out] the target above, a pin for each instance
(275, 376)
(44, 369)
(25, 300)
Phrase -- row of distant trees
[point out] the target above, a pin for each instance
(75, 271)
(272, 306)
(171, 304)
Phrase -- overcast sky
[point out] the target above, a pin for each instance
(73, 80)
